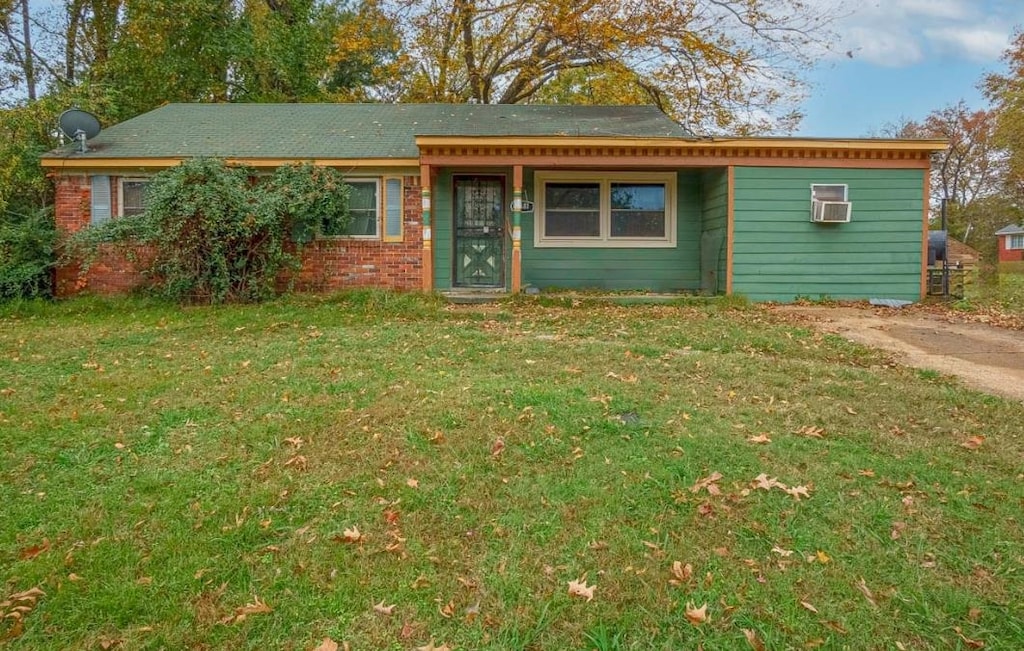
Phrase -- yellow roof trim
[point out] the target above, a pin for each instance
(113, 163)
(877, 144)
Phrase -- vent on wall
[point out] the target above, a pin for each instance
(833, 212)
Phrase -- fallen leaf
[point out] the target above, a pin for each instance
(381, 609)
(351, 535)
(256, 607)
(797, 491)
(764, 482)
(447, 610)
(809, 606)
(974, 614)
(497, 447)
(35, 550)
(412, 483)
(867, 472)
(760, 438)
(897, 530)
(74, 577)
(973, 443)
(811, 431)
(295, 441)
(753, 640)
(327, 645)
(579, 588)
(863, 587)
(708, 483)
(822, 557)
(782, 552)
(431, 647)
(681, 574)
(696, 616)
(974, 644)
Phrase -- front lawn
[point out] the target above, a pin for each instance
(391, 473)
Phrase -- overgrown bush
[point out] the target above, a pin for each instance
(215, 233)
(26, 255)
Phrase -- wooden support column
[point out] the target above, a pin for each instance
(924, 235)
(426, 187)
(517, 231)
(730, 232)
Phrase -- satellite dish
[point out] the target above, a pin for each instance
(79, 125)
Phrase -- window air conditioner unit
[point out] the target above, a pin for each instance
(831, 212)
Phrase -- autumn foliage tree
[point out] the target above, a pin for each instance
(722, 65)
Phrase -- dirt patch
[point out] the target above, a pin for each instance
(985, 357)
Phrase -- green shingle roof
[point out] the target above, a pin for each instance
(351, 131)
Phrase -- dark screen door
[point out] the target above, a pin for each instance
(479, 231)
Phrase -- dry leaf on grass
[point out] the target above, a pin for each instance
(764, 482)
(753, 640)
(29, 553)
(327, 645)
(579, 588)
(412, 483)
(811, 431)
(681, 574)
(760, 438)
(708, 483)
(381, 609)
(797, 491)
(431, 647)
(696, 616)
(863, 587)
(973, 644)
(256, 607)
(497, 447)
(350, 535)
(809, 606)
(973, 443)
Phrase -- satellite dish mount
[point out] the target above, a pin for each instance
(79, 125)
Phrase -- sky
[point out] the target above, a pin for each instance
(910, 57)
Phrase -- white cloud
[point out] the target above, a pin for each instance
(981, 44)
(898, 33)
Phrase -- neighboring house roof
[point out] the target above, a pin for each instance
(351, 131)
(1012, 229)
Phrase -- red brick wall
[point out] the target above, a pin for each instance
(327, 265)
(111, 273)
(337, 263)
(1009, 255)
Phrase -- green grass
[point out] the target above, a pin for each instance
(154, 482)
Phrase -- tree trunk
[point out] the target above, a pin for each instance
(28, 63)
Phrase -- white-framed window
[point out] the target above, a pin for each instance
(1015, 241)
(131, 196)
(605, 209)
(375, 206)
(829, 192)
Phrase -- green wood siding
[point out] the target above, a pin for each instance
(441, 223)
(658, 269)
(714, 224)
(779, 254)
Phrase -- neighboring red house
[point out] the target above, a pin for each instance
(1011, 243)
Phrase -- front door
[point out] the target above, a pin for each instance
(479, 231)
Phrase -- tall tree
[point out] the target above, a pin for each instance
(1006, 92)
(713, 64)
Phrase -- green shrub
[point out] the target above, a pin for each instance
(26, 255)
(213, 233)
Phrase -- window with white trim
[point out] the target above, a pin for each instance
(131, 195)
(829, 192)
(375, 206)
(1015, 241)
(605, 209)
